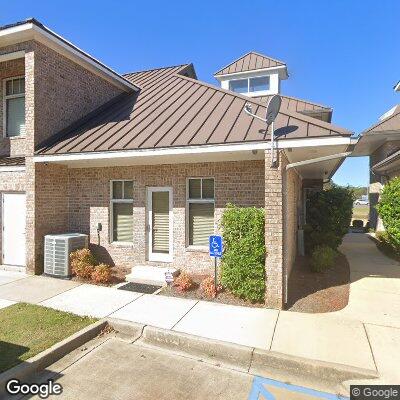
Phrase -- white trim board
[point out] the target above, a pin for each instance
(30, 31)
(154, 256)
(192, 150)
(11, 168)
(12, 56)
(248, 73)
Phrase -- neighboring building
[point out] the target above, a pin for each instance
(154, 156)
(381, 142)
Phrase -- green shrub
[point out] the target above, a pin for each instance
(328, 217)
(389, 210)
(322, 258)
(243, 261)
(386, 244)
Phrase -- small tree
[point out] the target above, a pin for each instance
(329, 215)
(243, 261)
(389, 210)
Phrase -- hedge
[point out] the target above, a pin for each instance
(328, 217)
(322, 258)
(243, 261)
(389, 210)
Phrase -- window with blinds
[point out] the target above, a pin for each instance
(200, 210)
(122, 211)
(14, 100)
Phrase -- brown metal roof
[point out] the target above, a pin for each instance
(249, 62)
(175, 110)
(391, 123)
(12, 161)
(302, 106)
(294, 104)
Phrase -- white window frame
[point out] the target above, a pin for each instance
(7, 97)
(112, 202)
(152, 256)
(248, 84)
(201, 200)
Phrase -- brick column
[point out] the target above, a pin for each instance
(274, 234)
(30, 215)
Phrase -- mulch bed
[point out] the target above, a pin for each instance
(118, 276)
(196, 293)
(319, 292)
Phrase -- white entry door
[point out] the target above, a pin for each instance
(160, 221)
(13, 221)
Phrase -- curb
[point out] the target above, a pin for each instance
(215, 351)
(126, 330)
(49, 356)
(320, 375)
(290, 369)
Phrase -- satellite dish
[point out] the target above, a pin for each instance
(273, 107)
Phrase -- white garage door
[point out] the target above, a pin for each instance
(14, 214)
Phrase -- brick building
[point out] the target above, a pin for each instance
(381, 142)
(153, 156)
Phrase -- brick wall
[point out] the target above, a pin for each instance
(14, 146)
(292, 209)
(241, 183)
(377, 181)
(57, 93)
(274, 232)
(282, 202)
(64, 92)
(51, 206)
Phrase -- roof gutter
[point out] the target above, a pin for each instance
(317, 160)
(195, 149)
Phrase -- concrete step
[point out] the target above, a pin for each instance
(150, 275)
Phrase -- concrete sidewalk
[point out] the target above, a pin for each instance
(365, 334)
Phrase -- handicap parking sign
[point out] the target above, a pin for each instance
(215, 246)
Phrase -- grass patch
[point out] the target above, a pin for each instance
(361, 212)
(27, 329)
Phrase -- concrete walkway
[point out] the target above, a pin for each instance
(366, 334)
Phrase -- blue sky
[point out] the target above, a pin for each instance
(341, 53)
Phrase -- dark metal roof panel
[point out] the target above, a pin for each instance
(12, 161)
(391, 123)
(249, 62)
(298, 105)
(175, 110)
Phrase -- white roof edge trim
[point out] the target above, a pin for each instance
(15, 29)
(12, 168)
(70, 47)
(205, 149)
(12, 56)
(252, 71)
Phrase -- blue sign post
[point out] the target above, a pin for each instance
(215, 246)
(215, 242)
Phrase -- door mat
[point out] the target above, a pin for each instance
(140, 288)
